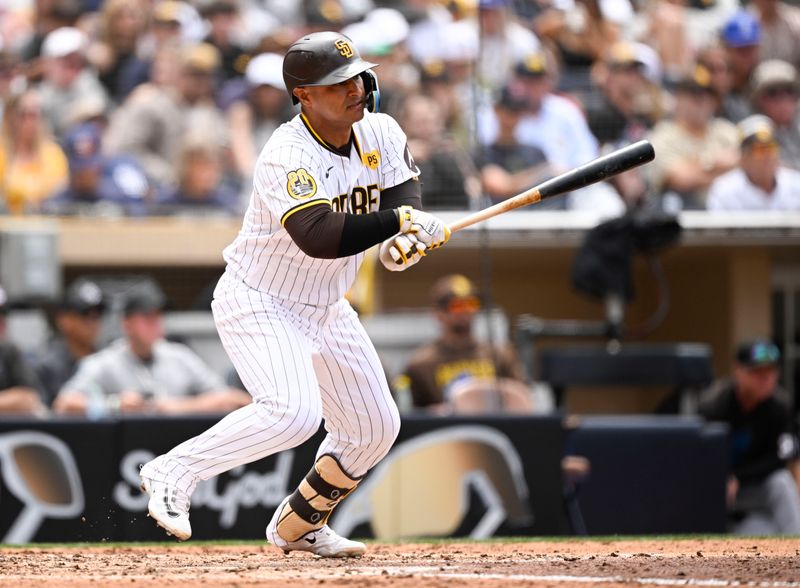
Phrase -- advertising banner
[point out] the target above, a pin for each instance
(76, 480)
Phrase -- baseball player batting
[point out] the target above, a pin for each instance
(329, 184)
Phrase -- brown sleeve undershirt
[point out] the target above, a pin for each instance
(320, 232)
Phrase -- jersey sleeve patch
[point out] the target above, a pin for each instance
(410, 163)
(300, 184)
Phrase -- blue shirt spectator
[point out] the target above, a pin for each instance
(98, 185)
(202, 189)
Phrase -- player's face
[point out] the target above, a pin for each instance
(343, 102)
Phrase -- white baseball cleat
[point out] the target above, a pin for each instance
(169, 507)
(324, 542)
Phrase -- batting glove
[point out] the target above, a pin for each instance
(429, 230)
(401, 252)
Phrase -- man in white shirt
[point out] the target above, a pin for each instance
(144, 373)
(552, 123)
(760, 182)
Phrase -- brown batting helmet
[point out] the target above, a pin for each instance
(324, 59)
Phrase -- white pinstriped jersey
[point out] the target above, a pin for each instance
(298, 169)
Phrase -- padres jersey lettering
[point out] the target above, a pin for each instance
(297, 170)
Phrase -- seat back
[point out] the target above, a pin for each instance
(490, 396)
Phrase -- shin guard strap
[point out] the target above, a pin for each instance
(324, 488)
(310, 506)
(305, 511)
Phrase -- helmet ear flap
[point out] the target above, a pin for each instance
(372, 91)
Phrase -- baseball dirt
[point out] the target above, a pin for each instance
(556, 564)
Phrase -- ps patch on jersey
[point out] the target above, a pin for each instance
(372, 159)
(300, 184)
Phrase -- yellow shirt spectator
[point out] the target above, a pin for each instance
(32, 166)
(26, 182)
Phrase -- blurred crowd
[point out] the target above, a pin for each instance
(160, 107)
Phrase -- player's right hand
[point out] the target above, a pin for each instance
(428, 229)
(401, 252)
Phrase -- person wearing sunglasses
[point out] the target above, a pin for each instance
(759, 182)
(456, 371)
(762, 493)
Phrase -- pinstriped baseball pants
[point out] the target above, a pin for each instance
(301, 364)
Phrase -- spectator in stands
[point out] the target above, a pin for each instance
(142, 372)
(693, 147)
(715, 59)
(166, 28)
(553, 123)
(667, 30)
(201, 189)
(9, 77)
(77, 322)
(263, 109)
(622, 110)
(158, 117)
(585, 35)
(507, 167)
(19, 386)
(428, 20)
(47, 17)
(775, 94)
(763, 497)
(741, 37)
(114, 54)
(32, 165)
(223, 21)
(614, 113)
(780, 25)
(759, 182)
(67, 77)
(450, 178)
(435, 82)
(99, 185)
(380, 39)
(503, 41)
(456, 366)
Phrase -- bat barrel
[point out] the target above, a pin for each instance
(599, 169)
(596, 170)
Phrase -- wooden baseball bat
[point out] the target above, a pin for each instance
(589, 173)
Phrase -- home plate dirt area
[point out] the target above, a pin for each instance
(556, 564)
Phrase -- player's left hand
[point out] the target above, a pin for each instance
(401, 252)
(428, 229)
